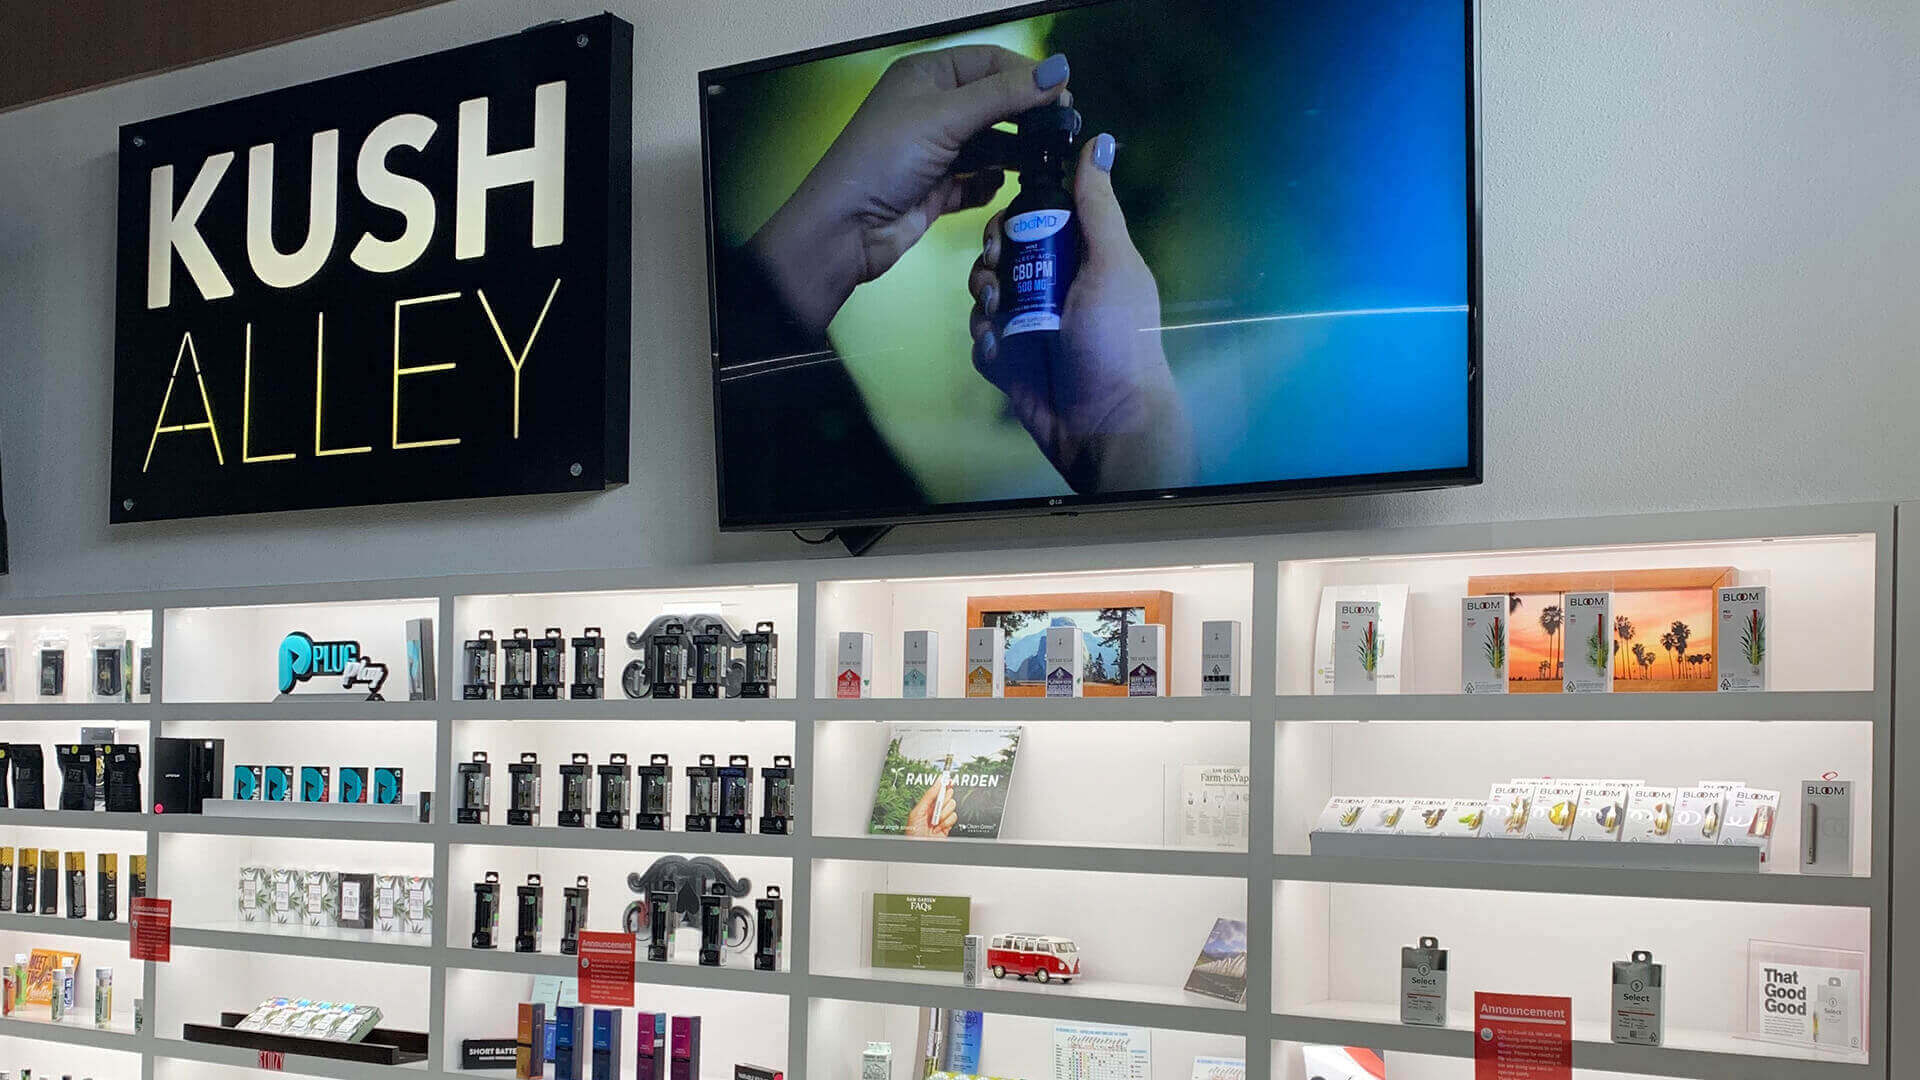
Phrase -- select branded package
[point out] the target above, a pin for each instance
(1639, 1000)
(1423, 984)
(1586, 632)
(1483, 645)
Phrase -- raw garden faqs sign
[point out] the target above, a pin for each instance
(401, 284)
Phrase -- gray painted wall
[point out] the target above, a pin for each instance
(1702, 230)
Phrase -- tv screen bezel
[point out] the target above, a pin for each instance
(1470, 474)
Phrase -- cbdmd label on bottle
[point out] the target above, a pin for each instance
(1042, 257)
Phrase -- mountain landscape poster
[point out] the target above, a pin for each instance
(1102, 619)
(1220, 971)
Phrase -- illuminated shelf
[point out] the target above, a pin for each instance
(1115, 859)
(61, 926)
(74, 819)
(1096, 1002)
(326, 943)
(1821, 706)
(549, 837)
(74, 1032)
(737, 976)
(1766, 888)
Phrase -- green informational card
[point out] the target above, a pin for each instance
(921, 933)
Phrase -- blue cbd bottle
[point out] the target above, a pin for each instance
(1040, 240)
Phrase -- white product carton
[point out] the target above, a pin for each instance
(254, 886)
(920, 664)
(322, 889)
(286, 900)
(853, 675)
(986, 662)
(1424, 817)
(1586, 633)
(1751, 814)
(1740, 659)
(1146, 660)
(1464, 818)
(1508, 808)
(1483, 645)
(1650, 815)
(1603, 808)
(1066, 661)
(1554, 808)
(389, 899)
(1383, 815)
(1357, 646)
(1423, 984)
(1639, 1000)
(1342, 815)
(1826, 827)
(1697, 815)
(1220, 658)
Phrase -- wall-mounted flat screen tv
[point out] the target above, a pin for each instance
(1076, 256)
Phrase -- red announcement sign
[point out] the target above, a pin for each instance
(152, 936)
(606, 968)
(1518, 1037)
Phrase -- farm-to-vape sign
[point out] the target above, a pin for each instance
(407, 283)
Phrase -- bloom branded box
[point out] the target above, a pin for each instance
(1066, 661)
(920, 664)
(1750, 816)
(853, 675)
(1342, 814)
(1741, 658)
(1219, 658)
(1357, 646)
(1587, 634)
(1509, 807)
(1603, 808)
(1425, 817)
(1554, 808)
(986, 662)
(1650, 815)
(1826, 828)
(1697, 815)
(1147, 660)
(1382, 815)
(1423, 984)
(1464, 817)
(1639, 1000)
(1483, 645)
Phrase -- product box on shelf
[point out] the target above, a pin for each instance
(616, 793)
(315, 783)
(1146, 662)
(1342, 814)
(853, 673)
(1220, 658)
(685, 1049)
(1603, 809)
(322, 888)
(651, 1047)
(1826, 828)
(920, 664)
(655, 803)
(1750, 816)
(1423, 984)
(1555, 805)
(254, 886)
(1587, 634)
(249, 782)
(1650, 815)
(1066, 653)
(529, 1043)
(353, 784)
(276, 783)
(1357, 646)
(1424, 817)
(286, 899)
(480, 660)
(355, 901)
(389, 785)
(761, 647)
(1698, 815)
(576, 792)
(476, 790)
(1483, 644)
(736, 795)
(1509, 808)
(1740, 658)
(1639, 1000)
(986, 662)
(389, 893)
(606, 1044)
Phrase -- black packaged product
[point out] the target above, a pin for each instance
(49, 882)
(714, 908)
(123, 779)
(476, 790)
(667, 660)
(757, 1072)
(494, 1054)
(736, 795)
(574, 916)
(703, 795)
(77, 766)
(26, 882)
(709, 667)
(662, 924)
(29, 777)
(107, 883)
(616, 784)
(6, 878)
(770, 919)
(6, 768)
(529, 905)
(109, 671)
(576, 792)
(53, 673)
(76, 884)
(136, 876)
(480, 656)
(355, 901)
(655, 812)
(590, 665)
(549, 665)
(776, 797)
(516, 667)
(523, 790)
(486, 912)
(762, 648)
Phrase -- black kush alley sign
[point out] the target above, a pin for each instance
(406, 283)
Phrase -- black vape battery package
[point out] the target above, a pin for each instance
(389, 784)
(476, 790)
(356, 898)
(29, 776)
(703, 795)
(486, 912)
(479, 657)
(589, 665)
(736, 795)
(26, 882)
(77, 775)
(529, 900)
(353, 783)
(53, 672)
(714, 905)
(667, 660)
(6, 770)
(655, 812)
(316, 782)
(549, 665)
(573, 916)
(49, 882)
(107, 885)
(523, 790)
(762, 647)
(662, 923)
(249, 782)
(616, 793)
(123, 778)
(709, 666)
(76, 884)
(6, 879)
(136, 876)
(187, 772)
(776, 797)
(109, 671)
(576, 792)
(770, 923)
(516, 667)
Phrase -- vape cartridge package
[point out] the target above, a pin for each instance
(853, 675)
(416, 905)
(1554, 808)
(606, 1044)
(49, 881)
(1424, 817)
(1741, 659)
(6, 879)
(122, 779)
(136, 876)
(714, 906)
(703, 794)
(1423, 984)
(1066, 661)
(1750, 815)
(389, 891)
(529, 1046)
(549, 664)
(972, 956)
(1650, 813)
(1509, 806)
(1639, 1000)
(112, 663)
(708, 667)
(1342, 814)
(1358, 646)
(1826, 827)
(6, 771)
(479, 659)
(1382, 815)
(576, 792)
(421, 661)
(26, 900)
(1587, 631)
(876, 1062)
(651, 1047)
(1603, 810)
(355, 902)
(568, 1042)
(762, 649)
(102, 996)
(314, 782)
(1220, 658)
(1147, 660)
(770, 922)
(589, 666)
(389, 784)
(1697, 815)
(920, 664)
(667, 661)
(1483, 645)
(686, 1049)
(255, 887)
(248, 782)
(353, 783)
(276, 783)
(736, 795)
(1836, 1022)
(776, 797)
(655, 811)
(986, 662)
(616, 793)
(486, 912)
(29, 776)
(322, 889)
(476, 790)
(530, 915)
(523, 790)
(1464, 818)
(573, 916)
(286, 896)
(76, 884)
(53, 666)
(516, 666)
(662, 924)
(6, 669)
(78, 775)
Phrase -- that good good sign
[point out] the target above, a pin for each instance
(402, 284)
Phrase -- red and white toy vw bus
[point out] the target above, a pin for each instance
(1036, 955)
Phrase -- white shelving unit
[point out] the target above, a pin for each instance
(214, 650)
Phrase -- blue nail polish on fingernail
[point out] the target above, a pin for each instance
(1103, 149)
(1050, 72)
